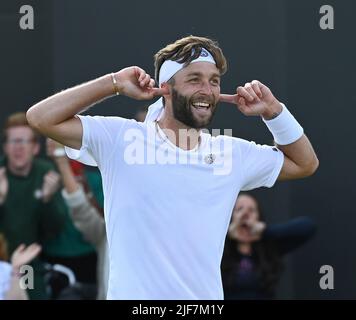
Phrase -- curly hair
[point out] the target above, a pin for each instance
(187, 49)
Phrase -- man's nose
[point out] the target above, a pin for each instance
(206, 88)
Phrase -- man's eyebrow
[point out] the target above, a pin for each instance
(197, 73)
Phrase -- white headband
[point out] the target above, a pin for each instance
(169, 68)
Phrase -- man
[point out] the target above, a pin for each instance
(166, 219)
(30, 210)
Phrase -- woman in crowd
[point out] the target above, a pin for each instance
(252, 262)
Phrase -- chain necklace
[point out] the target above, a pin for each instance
(164, 137)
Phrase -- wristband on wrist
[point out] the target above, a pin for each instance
(284, 128)
(114, 83)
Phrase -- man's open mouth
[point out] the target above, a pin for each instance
(202, 107)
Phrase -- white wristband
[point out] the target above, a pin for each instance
(284, 128)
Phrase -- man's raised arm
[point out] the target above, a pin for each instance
(255, 99)
(54, 117)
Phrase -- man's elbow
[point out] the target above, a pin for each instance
(34, 120)
(311, 168)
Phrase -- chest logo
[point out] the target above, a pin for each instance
(210, 158)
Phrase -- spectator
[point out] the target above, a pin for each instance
(252, 261)
(84, 209)
(30, 206)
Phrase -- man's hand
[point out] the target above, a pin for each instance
(135, 83)
(4, 185)
(254, 99)
(246, 228)
(24, 255)
(51, 183)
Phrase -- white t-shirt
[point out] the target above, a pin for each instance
(166, 222)
(5, 278)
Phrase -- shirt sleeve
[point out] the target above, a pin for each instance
(260, 164)
(99, 137)
(5, 278)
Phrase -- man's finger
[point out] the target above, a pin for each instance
(251, 91)
(228, 98)
(241, 91)
(145, 82)
(241, 101)
(264, 89)
(141, 74)
(243, 107)
(159, 91)
(152, 83)
(256, 87)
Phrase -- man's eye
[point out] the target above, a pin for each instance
(215, 82)
(194, 80)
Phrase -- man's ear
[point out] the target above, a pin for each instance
(167, 88)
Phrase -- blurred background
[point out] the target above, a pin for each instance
(278, 42)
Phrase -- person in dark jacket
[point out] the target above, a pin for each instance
(252, 262)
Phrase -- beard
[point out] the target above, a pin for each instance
(182, 111)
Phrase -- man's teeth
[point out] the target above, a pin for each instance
(201, 104)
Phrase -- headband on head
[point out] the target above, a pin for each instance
(169, 68)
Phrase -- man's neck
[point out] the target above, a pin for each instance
(23, 172)
(178, 133)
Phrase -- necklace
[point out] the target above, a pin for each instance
(164, 137)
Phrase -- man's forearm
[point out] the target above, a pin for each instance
(69, 182)
(66, 104)
(302, 154)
